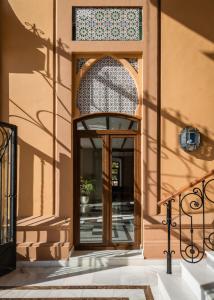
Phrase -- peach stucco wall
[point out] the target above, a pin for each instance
(36, 94)
(187, 72)
(28, 100)
(27, 94)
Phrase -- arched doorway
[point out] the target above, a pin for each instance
(107, 181)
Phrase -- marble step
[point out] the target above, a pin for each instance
(173, 287)
(210, 258)
(210, 255)
(106, 258)
(199, 277)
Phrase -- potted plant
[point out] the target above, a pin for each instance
(86, 188)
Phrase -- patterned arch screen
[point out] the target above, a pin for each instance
(107, 87)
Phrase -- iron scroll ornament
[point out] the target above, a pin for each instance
(192, 246)
(193, 252)
(169, 224)
(209, 240)
(190, 251)
(5, 136)
(6, 193)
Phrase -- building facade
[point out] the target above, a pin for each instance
(100, 91)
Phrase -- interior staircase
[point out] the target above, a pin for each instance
(190, 282)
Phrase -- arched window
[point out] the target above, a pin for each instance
(107, 87)
(107, 122)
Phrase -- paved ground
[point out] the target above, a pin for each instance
(116, 271)
(80, 276)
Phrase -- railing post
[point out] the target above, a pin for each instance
(169, 223)
(169, 254)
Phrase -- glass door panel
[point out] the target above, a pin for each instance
(122, 189)
(91, 204)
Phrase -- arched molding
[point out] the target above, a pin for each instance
(91, 61)
(113, 114)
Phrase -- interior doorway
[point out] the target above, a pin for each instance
(107, 194)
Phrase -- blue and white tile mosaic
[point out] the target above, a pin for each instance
(107, 87)
(120, 24)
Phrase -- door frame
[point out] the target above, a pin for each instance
(106, 136)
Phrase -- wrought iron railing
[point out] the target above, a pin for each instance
(8, 163)
(190, 205)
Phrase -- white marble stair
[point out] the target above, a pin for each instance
(210, 258)
(172, 287)
(199, 277)
(209, 289)
(192, 282)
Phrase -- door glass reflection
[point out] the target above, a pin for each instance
(122, 170)
(91, 210)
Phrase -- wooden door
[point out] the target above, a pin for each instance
(107, 191)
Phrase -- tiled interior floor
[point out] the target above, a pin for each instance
(122, 229)
(91, 222)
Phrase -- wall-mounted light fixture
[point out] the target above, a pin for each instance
(189, 139)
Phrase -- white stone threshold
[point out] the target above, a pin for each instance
(96, 259)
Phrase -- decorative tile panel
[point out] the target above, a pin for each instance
(133, 62)
(107, 87)
(105, 24)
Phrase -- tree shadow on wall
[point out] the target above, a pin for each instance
(185, 12)
(21, 54)
(194, 14)
(26, 58)
(198, 159)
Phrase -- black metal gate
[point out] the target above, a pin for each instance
(8, 170)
